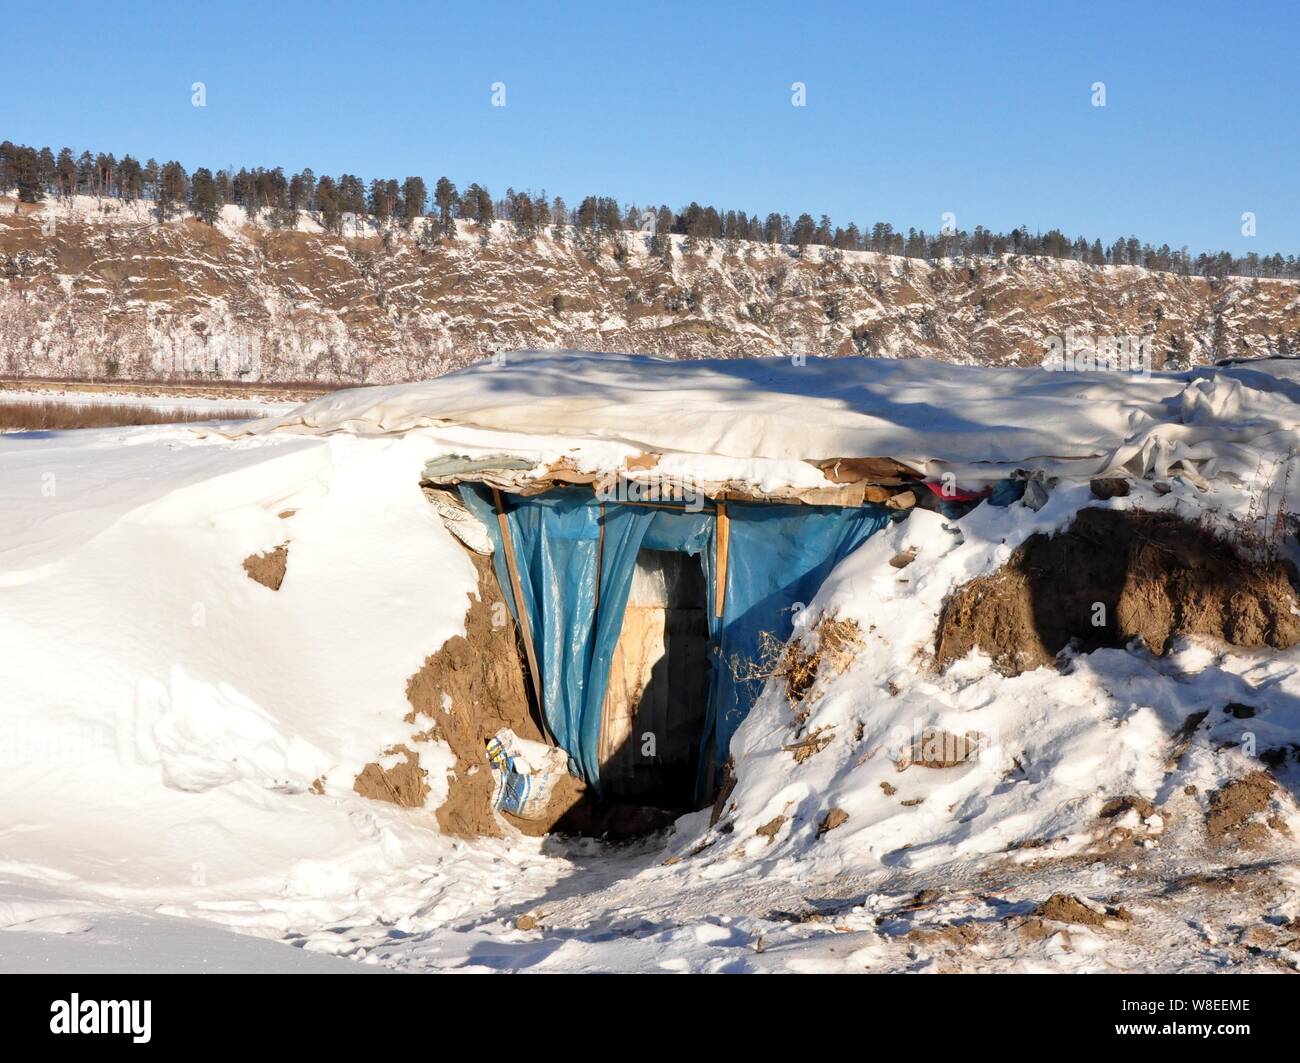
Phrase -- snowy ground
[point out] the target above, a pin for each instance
(179, 745)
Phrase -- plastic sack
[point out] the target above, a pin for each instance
(525, 773)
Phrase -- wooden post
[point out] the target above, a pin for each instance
(722, 545)
(525, 628)
(600, 565)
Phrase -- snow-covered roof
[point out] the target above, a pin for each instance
(786, 422)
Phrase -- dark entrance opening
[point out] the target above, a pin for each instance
(656, 703)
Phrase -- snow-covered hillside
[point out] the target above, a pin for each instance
(95, 288)
(180, 741)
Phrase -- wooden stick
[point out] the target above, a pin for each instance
(525, 629)
(722, 544)
(600, 563)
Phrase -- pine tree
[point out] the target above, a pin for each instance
(447, 200)
(802, 235)
(25, 164)
(204, 203)
(47, 168)
(352, 200)
(66, 169)
(413, 197)
(380, 205)
(130, 179)
(468, 203)
(327, 206)
(661, 242)
(173, 188)
(86, 174)
(559, 220)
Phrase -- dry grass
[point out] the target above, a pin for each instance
(830, 648)
(55, 416)
(182, 383)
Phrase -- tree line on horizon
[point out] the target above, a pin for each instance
(37, 173)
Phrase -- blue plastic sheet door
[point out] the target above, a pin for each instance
(576, 557)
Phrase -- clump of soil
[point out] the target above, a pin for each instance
(268, 568)
(950, 936)
(482, 677)
(1234, 808)
(771, 829)
(405, 783)
(1111, 577)
(1117, 806)
(936, 748)
(1064, 908)
(1109, 487)
(836, 817)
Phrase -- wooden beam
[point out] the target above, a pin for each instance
(600, 566)
(722, 544)
(525, 628)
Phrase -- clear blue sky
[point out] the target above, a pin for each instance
(912, 109)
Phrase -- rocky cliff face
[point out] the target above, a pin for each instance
(96, 289)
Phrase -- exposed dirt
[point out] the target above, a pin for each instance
(1235, 808)
(403, 784)
(950, 937)
(268, 568)
(771, 829)
(936, 748)
(483, 675)
(1063, 908)
(1117, 806)
(475, 685)
(1109, 487)
(836, 817)
(1114, 576)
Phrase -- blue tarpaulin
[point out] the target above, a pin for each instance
(575, 578)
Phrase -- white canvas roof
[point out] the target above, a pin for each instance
(761, 418)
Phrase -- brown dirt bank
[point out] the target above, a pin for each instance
(481, 679)
(1111, 577)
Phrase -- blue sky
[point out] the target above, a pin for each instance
(912, 109)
